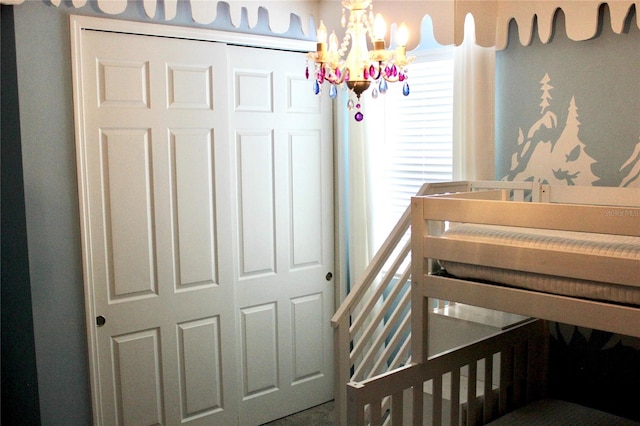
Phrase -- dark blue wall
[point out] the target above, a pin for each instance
(20, 404)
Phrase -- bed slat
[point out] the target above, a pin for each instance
(397, 408)
(586, 313)
(472, 401)
(585, 266)
(489, 396)
(455, 397)
(418, 401)
(619, 220)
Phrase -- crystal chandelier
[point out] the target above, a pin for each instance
(361, 68)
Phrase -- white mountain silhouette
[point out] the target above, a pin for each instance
(556, 155)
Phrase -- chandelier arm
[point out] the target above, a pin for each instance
(336, 81)
(391, 79)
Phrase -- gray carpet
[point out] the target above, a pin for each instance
(322, 415)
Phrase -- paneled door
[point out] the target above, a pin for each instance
(154, 128)
(205, 184)
(283, 208)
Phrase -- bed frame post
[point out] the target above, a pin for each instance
(538, 362)
(355, 408)
(419, 304)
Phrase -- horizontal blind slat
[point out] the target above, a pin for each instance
(420, 136)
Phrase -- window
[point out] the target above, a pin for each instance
(418, 136)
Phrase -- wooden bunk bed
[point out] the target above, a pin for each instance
(511, 364)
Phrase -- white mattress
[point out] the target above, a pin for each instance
(610, 245)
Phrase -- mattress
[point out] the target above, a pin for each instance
(551, 412)
(578, 242)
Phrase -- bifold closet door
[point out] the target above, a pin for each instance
(205, 180)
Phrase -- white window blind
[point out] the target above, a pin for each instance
(418, 140)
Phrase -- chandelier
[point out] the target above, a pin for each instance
(361, 68)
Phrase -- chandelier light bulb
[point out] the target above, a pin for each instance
(333, 42)
(402, 35)
(322, 33)
(379, 27)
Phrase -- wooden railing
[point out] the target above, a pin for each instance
(372, 327)
(504, 371)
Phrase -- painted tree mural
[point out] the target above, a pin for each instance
(631, 168)
(549, 153)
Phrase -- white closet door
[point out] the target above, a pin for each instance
(157, 229)
(206, 191)
(283, 208)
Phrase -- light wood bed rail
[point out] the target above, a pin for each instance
(518, 355)
(400, 397)
(492, 207)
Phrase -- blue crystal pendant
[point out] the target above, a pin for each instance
(383, 86)
(333, 91)
(405, 89)
(316, 87)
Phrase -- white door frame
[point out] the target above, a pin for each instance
(77, 25)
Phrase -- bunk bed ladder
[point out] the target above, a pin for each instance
(372, 326)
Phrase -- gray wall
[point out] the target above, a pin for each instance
(51, 197)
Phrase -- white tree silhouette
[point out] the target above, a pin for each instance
(546, 95)
(632, 177)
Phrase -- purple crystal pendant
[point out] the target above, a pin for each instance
(359, 116)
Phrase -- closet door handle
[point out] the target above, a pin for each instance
(328, 276)
(100, 320)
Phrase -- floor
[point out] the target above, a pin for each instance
(322, 415)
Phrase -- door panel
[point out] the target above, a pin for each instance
(306, 199)
(155, 123)
(138, 380)
(192, 186)
(259, 336)
(284, 205)
(256, 201)
(126, 161)
(307, 337)
(200, 361)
